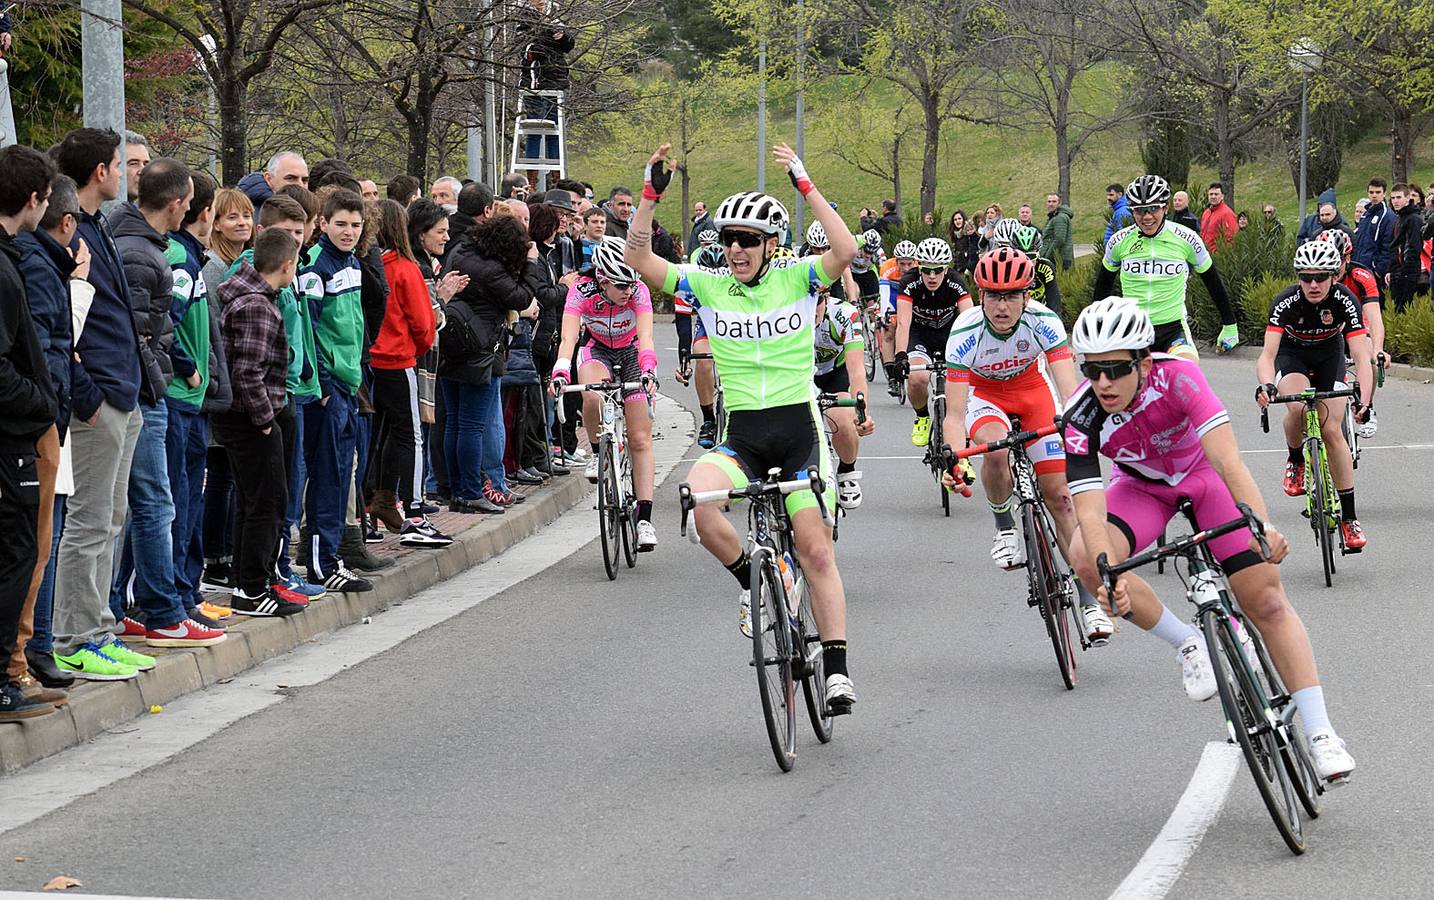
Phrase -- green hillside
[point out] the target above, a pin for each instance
(978, 164)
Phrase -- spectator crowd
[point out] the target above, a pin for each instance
(216, 400)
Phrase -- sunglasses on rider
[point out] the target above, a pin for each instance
(1315, 277)
(623, 286)
(1113, 371)
(932, 270)
(744, 239)
(1148, 210)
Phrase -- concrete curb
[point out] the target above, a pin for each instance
(99, 707)
(1402, 371)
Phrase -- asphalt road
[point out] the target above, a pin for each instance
(574, 737)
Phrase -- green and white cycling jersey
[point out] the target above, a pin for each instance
(837, 335)
(762, 335)
(1154, 270)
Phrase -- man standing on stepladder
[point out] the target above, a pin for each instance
(759, 314)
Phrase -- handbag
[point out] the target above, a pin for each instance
(427, 396)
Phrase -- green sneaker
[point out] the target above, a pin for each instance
(92, 664)
(125, 656)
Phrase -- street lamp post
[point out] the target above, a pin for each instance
(1304, 59)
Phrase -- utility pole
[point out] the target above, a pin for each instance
(102, 58)
(762, 116)
(799, 229)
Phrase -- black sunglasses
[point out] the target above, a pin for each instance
(1147, 210)
(1113, 371)
(744, 239)
(932, 270)
(624, 286)
(1312, 277)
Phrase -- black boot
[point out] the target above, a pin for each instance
(42, 665)
(355, 554)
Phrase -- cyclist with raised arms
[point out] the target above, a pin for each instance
(1154, 258)
(841, 370)
(903, 260)
(614, 308)
(1360, 281)
(1169, 438)
(992, 374)
(926, 304)
(760, 316)
(1310, 323)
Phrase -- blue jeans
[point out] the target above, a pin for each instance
(329, 433)
(533, 145)
(43, 640)
(304, 411)
(187, 448)
(146, 571)
(475, 437)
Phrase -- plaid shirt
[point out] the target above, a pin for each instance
(256, 346)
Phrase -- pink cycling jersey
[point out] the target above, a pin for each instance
(1156, 439)
(611, 324)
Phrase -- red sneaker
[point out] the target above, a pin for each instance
(187, 633)
(1295, 479)
(284, 592)
(1353, 534)
(132, 628)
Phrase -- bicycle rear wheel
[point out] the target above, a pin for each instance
(872, 350)
(1315, 484)
(1048, 591)
(934, 449)
(814, 672)
(1251, 721)
(607, 500)
(719, 413)
(1351, 436)
(771, 654)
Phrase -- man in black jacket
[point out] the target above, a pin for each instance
(1402, 279)
(545, 68)
(145, 578)
(27, 411)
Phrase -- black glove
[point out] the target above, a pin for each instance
(1267, 389)
(660, 177)
(902, 366)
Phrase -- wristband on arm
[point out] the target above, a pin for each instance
(647, 361)
(798, 173)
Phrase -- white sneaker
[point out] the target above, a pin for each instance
(590, 471)
(1332, 762)
(1098, 628)
(848, 492)
(744, 614)
(646, 536)
(1195, 668)
(1367, 430)
(840, 694)
(1007, 551)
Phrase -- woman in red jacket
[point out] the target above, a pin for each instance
(408, 332)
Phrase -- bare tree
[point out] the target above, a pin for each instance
(874, 148)
(236, 40)
(1048, 46)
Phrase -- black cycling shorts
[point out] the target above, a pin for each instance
(928, 342)
(868, 284)
(788, 438)
(837, 381)
(1172, 335)
(1324, 362)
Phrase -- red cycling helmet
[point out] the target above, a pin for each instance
(1006, 269)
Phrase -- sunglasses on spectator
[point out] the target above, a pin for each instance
(1149, 210)
(744, 239)
(1113, 371)
(1315, 277)
(932, 270)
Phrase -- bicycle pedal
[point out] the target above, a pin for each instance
(839, 709)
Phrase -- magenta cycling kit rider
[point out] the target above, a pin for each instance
(1154, 258)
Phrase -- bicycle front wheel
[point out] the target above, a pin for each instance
(627, 512)
(1296, 747)
(607, 507)
(1251, 721)
(872, 350)
(772, 656)
(1317, 487)
(1048, 590)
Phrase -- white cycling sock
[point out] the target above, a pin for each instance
(1313, 716)
(1172, 629)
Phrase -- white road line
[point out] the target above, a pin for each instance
(25, 895)
(1160, 867)
(131, 748)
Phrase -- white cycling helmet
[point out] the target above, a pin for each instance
(707, 237)
(1148, 190)
(904, 250)
(1004, 233)
(871, 240)
(608, 263)
(1319, 256)
(933, 252)
(1115, 323)
(750, 209)
(817, 236)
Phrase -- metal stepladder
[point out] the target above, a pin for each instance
(545, 130)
